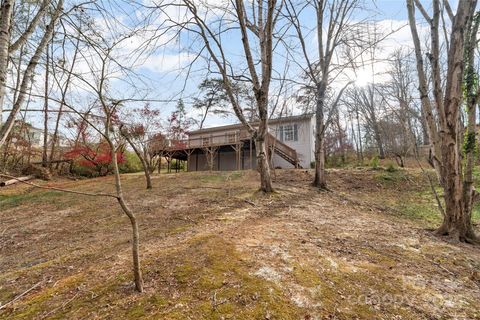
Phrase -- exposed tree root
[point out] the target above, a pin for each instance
(455, 236)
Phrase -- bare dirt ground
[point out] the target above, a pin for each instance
(214, 248)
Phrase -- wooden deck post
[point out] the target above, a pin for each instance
(241, 166)
(251, 154)
(188, 152)
(238, 156)
(238, 148)
(160, 163)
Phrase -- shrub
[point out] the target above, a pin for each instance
(93, 160)
(374, 162)
(177, 165)
(131, 164)
(391, 168)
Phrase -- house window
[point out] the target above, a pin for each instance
(289, 132)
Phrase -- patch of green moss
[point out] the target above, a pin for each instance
(391, 176)
(204, 279)
(215, 282)
(183, 272)
(306, 276)
(426, 212)
(220, 176)
(381, 257)
(11, 201)
(39, 301)
(136, 311)
(349, 292)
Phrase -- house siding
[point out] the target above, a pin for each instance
(303, 144)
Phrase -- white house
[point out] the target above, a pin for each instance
(231, 147)
(34, 136)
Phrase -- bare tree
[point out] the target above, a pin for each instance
(103, 60)
(63, 87)
(139, 133)
(442, 108)
(406, 125)
(256, 27)
(335, 16)
(27, 76)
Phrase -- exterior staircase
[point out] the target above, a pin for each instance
(284, 151)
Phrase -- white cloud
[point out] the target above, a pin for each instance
(166, 62)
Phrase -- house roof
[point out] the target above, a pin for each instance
(19, 122)
(240, 125)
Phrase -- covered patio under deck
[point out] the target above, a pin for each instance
(223, 152)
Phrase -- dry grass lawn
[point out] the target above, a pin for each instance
(215, 248)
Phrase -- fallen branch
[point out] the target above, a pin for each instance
(203, 187)
(60, 189)
(53, 161)
(253, 204)
(13, 181)
(216, 303)
(60, 307)
(20, 295)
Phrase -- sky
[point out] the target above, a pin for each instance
(167, 72)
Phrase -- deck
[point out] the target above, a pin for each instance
(182, 149)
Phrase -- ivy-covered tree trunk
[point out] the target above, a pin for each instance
(445, 130)
(459, 224)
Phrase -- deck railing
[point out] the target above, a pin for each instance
(289, 152)
(208, 140)
(227, 138)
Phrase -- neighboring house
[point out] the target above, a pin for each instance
(34, 136)
(24, 131)
(231, 147)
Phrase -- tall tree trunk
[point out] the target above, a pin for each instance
(341, 142)
(62, 102)
(427, 110)
(379, 140)
(261, 147)
(359, 133)
(27, 77)
(446, 138)
(45, 111)
(137, 272)
(472, 90)
(459, 194)
(5, 21)
(320, 179)
(261, 144)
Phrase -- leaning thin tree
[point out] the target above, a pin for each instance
(256, 31)
(335, 16)
(452, 90)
